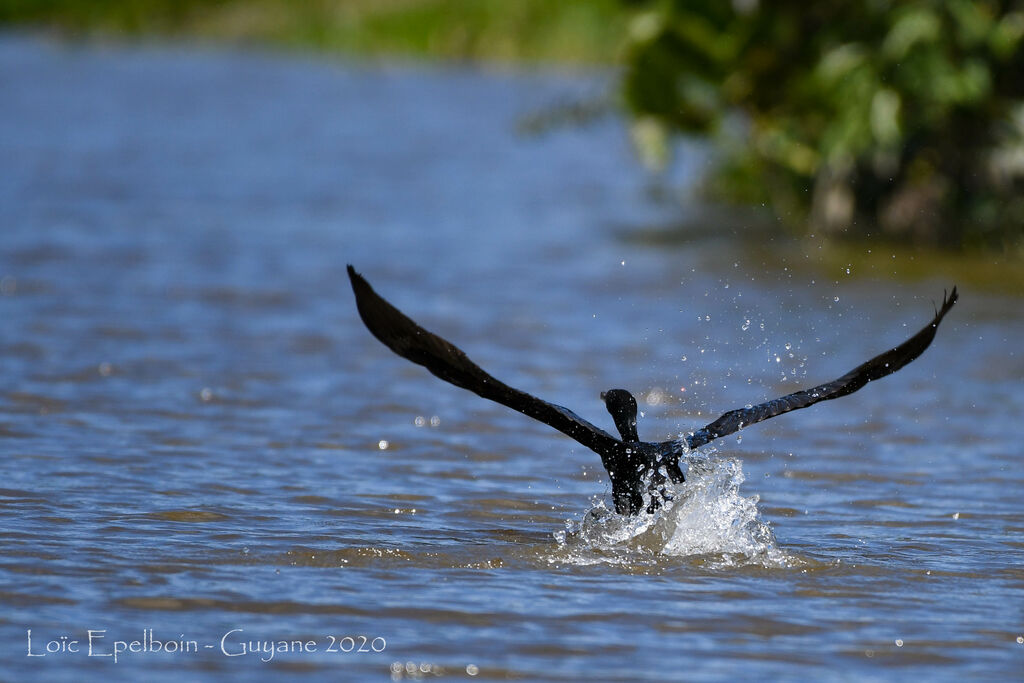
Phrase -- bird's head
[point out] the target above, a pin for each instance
(621, 404)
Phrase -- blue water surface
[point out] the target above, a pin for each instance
(200, 444)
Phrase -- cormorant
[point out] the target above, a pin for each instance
(634, 466)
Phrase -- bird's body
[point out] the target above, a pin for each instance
(638, 469)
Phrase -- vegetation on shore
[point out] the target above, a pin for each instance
(567, 31)
(902, 120)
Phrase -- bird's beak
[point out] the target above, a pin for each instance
(602, 395)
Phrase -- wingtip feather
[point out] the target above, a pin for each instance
(948, 301)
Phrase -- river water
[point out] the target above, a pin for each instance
(204, 451)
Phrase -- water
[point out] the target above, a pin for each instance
(199, 436)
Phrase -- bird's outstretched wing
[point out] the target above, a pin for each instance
(876, 368)
(410, 341)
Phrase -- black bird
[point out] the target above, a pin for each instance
(635, 467)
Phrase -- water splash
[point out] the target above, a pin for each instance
(707, 520)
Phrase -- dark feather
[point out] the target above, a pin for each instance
(876, 368)
(634, 466)
(410, 341)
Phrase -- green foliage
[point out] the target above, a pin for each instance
(525, 30)
(126, 16)
(905, 117)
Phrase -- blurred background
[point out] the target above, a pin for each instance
(899, 121)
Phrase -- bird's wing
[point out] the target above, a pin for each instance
(876, 368)
(410, 341)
